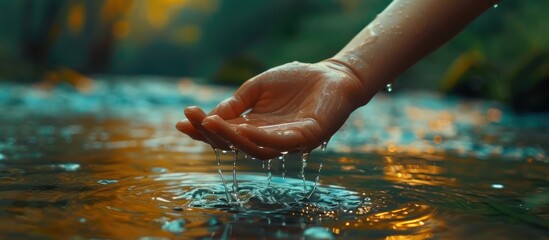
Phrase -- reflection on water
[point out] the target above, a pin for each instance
(113, 172)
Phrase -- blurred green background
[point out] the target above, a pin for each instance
(503, 55)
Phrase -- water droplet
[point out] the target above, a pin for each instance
(495, 5)
(316, 181)
(304, 158)
(323, 146)
(269, 174)
(353, 60)
(389, 87)
(283, 158)
(373, 34)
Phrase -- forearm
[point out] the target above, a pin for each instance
(401, 35)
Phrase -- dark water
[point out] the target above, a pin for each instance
(109, 165)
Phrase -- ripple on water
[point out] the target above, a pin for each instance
(255, 194)
(202, 195)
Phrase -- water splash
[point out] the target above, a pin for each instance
(235, 156)
(229, 197)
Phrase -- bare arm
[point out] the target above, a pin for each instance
(404, 33)
(297, 106)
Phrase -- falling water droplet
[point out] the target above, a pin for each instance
(304, 158)
(269, 175)
(283, 158)
(496, 5)
(316, 181)
(216, 151)
(389, 87)
(323, 146)
(235, 154)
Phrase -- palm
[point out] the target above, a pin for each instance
(294, 107)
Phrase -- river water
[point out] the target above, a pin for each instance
(109, 164)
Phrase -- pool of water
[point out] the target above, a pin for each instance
(109, 164)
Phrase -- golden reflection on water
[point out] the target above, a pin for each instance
(414, 172)
(410, 221)
(150, 163)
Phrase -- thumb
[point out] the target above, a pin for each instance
(243, 99)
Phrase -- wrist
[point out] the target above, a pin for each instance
(356, 89)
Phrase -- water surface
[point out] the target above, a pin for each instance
(109, 164)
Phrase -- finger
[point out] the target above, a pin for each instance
(186, 127)
(227, 132)
(195, 115)
(243, 99)
(302, 135)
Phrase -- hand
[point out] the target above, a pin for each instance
(293, 107)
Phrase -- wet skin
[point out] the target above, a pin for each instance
(294, 107)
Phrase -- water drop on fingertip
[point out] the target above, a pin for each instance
(389, 87)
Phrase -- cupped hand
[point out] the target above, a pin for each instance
(293, 107)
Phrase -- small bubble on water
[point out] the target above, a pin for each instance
(175, 226)
(317, 233)
(107, 181)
